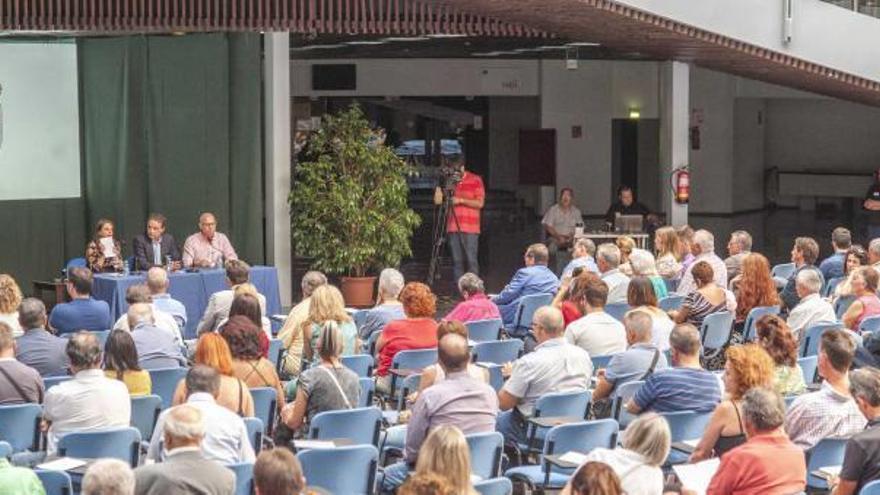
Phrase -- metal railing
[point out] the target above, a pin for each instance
(867, 7)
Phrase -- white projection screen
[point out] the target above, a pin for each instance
(39, 121)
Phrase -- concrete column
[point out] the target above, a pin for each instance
(276, 89)
(674, 122)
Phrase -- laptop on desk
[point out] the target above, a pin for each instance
(629, 224)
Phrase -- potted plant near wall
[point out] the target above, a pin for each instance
(349, 210)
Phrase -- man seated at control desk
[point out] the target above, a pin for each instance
(626, 204)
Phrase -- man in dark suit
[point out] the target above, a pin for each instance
(150, 249)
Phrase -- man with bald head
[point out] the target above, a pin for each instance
(207, 248)
(156, 348)
(554, 366)
(459, 400)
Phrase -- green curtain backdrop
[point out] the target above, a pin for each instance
(169, 124)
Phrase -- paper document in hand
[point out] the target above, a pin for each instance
(573, 457)
(697, 476)
(62, 464)
(830, 471)
(313, 444)
(107, 247)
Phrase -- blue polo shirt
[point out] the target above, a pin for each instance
(81, 314)
(679, 389)
(633, 363)
(833, 266)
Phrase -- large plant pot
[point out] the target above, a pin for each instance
(358, 291)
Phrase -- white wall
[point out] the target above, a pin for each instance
(711, 167)
(507, 115)
(748, 154)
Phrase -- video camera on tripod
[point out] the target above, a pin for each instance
(449, 177)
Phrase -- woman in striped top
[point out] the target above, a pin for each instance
(707, 299)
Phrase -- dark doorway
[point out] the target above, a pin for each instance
(635, 158)
(624, 153)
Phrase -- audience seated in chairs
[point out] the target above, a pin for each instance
(803, 255)
(237, 273)
(641, 297)
(834, 265)
(812, 308)
(326, 386)
(82, 312)
(596, 331)
(684, 387)
(19, 383)
(185, 469)
(571, 311)
(583, 253)
(830, 411)
(245, 303)
(108, 477)
(291, 332)
(775, 337)
(703, 249)
(278, 472)
(534, 278)
(594, 478)
(212, 350)
(417, 331)
(861, 461)
(121, 363)
(435, 373)
(155, 347)
(753, 287)
(388, 307)
(248, 363)
(10, 299)
(643, 450)
(328, 306)
(90, 400)
(141, 294)
(707, 298)
(445, 453)
(474, 305)
(460, 400)
(739, 247)
(768, 462)
(638, 362)
(38, 348)
(748, 366)
(668, 247)
(157, 284)
(554, 366)
(855, 258)
(225, 437)
(608, 260)
(864, 286)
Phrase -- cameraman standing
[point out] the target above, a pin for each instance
(463, 224)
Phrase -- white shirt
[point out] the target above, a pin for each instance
(11, 319)
(811, 310)
(618, 284)
(87, 402)
(661, 327)
(554, 366)
(719, 272)
(226, 439)
(161, 319)
(636, 476)
(597, 333)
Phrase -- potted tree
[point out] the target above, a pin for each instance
(348, 203)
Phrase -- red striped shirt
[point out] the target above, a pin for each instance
(470, 187)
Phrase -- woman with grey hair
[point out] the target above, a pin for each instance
(637, 462)
(642, 263)
(474, 305)
(387, 308)
(108, 477)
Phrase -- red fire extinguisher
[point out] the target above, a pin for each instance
(681, 184)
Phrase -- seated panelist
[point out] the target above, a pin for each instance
(207, 248)
(104, 252)
(154, 246)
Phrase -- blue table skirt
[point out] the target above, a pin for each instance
(192, 289)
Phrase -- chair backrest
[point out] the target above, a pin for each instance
(754, 315)
(410, 384)
(361, 364)
(145, 411)
(244, 477)
(51, 381)
(484, 330)
(809, 366)
(686, 425)
(670, 302)
(600, 361)
(525, 311)
(368, 387)
(870, 324)
(830, 285)
(101, 335)
(254, 427)
(76, 263)
(813, 335)
(617, 310)
(581, 437)
(497, 351)
(359, 317)
(349, 470)
(783, 270)
(5, 449)
(165, 382)
(118, 443)
(574, 404)
(275, 348)
(19, 426)
(370, 346)
(485, 450)
(623, 393)
(416, 360)
(55, 482)
(842, 304)
(265, 406)
(872, 488)
(360, 426)
(494, 486)
(496, 378)
(716, 328)
(828, 452)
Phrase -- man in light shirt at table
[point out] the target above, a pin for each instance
(207, 248)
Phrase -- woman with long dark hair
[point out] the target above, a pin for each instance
(121, 363)
(104, 252)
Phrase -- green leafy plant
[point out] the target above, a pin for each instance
(349, 210)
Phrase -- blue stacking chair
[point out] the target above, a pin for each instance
(350, 470)
(359, 317)
(574, 404)
(831, 285)
(165, 382)
(360, 425)
(754, 315)
(685, 425)
(265, 406)
(809, 365)
(783, 271)
(144, 413)
(828, 452)
(368, 387)
(525, 310)
(55, 482)
(494, 486)
(813, 335)
(276, 347)
(498, 351)
(484, 330)
(118, 443)
(244, 477)
(485, 450)
(715, 332)
(621, 395)
(410, 384)
(51, 381)
(369, 346)
(601, 361)
(617, 310)
(872, 488)
(5, 449)
(254, 427)
(418, 360)
(842, 304)
(670, 302)
(580, 437)
(361, 364)
(870, 324)
(20, 426)
(496, 379)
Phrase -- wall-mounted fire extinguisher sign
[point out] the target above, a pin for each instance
(681, 184)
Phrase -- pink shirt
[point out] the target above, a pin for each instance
(198, 248)
(477, 307)
(870, 307)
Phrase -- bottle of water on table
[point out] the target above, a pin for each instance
(126, 269)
